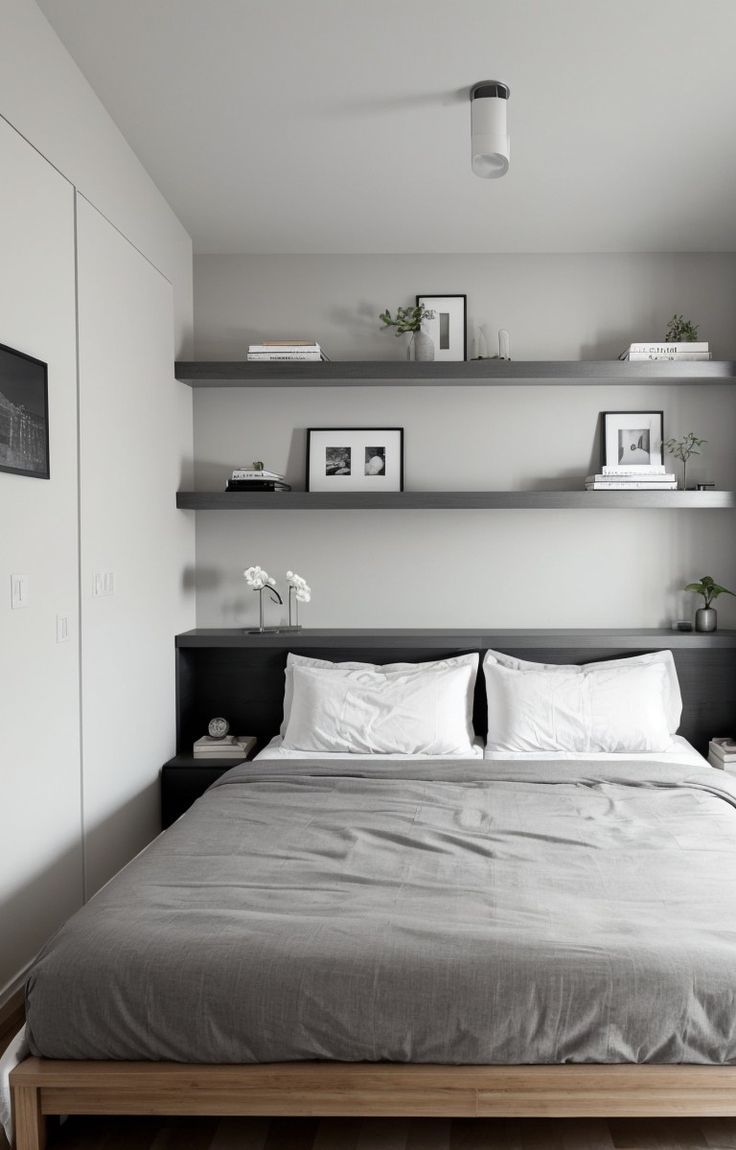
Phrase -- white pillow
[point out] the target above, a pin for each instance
(672, 696)
(616, 710)
(377, 712)
(293, 660)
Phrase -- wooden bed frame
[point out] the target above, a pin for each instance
(245, 674)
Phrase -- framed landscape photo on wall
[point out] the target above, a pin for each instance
(24, 414)
(448, 327)
(632, 439)
(354, 459)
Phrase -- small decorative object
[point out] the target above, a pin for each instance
(681, 330)
(299, 592)
(682, 625)
(504, 344)
(350, 459)
(24, 414)
(706, 617)
(632, 439)
(682, 449)
(447, 325)
(410, 320)
(218, 728)
(260, 581)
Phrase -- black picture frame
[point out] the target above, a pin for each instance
(614, 421)
(368, 483)
(24, 414)
(427, 301)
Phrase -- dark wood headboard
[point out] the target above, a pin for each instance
(241, 676)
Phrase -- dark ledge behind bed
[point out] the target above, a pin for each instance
(226, 671)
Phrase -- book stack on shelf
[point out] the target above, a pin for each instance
(652, 478)
(722, 754)
(285, 350)
(228, 747)
(683, 351)
(256, 479)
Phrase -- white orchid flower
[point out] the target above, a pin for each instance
(304, 594)
(297, 582)
(256, 577)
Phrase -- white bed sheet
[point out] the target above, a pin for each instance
(275, 750)
(680, 753)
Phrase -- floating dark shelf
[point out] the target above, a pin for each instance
(636, 638)
(487, 372)
(438, 500)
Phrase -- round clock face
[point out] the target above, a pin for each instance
(218, 728)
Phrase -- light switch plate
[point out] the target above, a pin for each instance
(20, 591)
(62, 628)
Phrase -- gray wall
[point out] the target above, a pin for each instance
(466, 568)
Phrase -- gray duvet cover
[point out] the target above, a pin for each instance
(452, 912)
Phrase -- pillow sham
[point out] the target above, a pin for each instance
(616, 710)
(292, 660)
(672, 695)
(378, 712)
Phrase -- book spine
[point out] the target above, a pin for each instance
(653, 356)
(651, 469)
(278, 357)
(283, 348)
(675, 348)
(630, 487)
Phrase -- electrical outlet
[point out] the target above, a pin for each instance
(62, 628)
(103, 583)
(20, 591)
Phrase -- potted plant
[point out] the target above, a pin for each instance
(681, 330)
(682, 449)
(706, 618)
(409, 320)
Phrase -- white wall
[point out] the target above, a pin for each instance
(430, 568)
(59, 147)
(40, 848)
(48, 100)
(136, 435)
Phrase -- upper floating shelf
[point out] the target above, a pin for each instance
(448, 500)
(486, 372)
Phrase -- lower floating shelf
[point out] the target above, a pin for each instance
(452, 500)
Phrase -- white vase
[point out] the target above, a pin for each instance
(423, 347)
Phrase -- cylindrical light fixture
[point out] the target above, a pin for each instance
(489, 134)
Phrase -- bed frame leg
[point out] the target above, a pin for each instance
(30, 1123)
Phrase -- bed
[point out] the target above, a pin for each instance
(406, 937)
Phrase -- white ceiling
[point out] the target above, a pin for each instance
(343, 125)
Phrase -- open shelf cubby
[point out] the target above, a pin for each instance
(485, 372)
(453, 500)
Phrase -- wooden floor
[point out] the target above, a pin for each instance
(393, 1134)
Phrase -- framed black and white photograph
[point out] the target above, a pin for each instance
(355, 459)
(632, 439)
(448, 329)
(24, 414)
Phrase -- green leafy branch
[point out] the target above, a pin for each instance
(683, 448)
(681, 330)
(407, 318)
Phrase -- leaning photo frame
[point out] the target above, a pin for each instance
(632, 440)
(353, 459)
(448, 326)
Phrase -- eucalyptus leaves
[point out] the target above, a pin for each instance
(682, 449)
(407, 318)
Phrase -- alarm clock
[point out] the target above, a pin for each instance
(218, 728)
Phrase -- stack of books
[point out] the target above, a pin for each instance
(280, 350)
(229, 747)
(256, 479)
(680, 351)
(652, 478)
(722, 753)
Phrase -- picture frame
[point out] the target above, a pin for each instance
(449, 328)
(24, 414)
(353, 459)
(632, 439)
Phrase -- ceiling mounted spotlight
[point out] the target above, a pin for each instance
(489, 134)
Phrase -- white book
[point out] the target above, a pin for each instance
(683, 356)
(284, 345)
(655, 480)
(630, 487)
(669, 345)
(232, 746)
(281, 357)
(641, 469)
(725, 749)
(267, 476)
